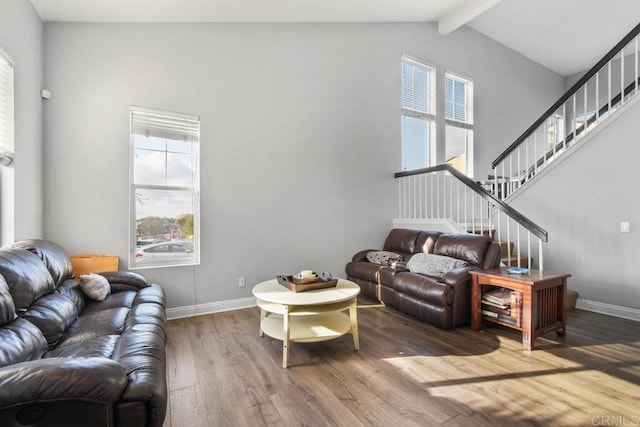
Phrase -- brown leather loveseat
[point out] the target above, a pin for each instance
(68, 360)
(443, 301)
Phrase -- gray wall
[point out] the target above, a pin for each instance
(581, 204)
(21, 32)
(300, 135)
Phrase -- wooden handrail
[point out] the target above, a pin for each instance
(477, 188)
(568, 94)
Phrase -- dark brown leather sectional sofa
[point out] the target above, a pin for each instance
(444, 301)
(67, 360)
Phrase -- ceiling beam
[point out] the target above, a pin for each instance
(465, 13)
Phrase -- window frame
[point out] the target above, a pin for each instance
(169, 133)
(428, 117)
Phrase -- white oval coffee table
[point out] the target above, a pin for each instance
(309, 316)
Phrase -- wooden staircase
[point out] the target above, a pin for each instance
(510, 257)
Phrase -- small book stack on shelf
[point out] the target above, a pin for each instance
(504, 305)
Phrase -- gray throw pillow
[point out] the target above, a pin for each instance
(383, 257)
(95, 286)
(433, 265)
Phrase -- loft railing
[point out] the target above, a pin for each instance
(443, 193)
(596, 97)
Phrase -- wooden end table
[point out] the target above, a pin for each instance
(550, 290)
(309, 316)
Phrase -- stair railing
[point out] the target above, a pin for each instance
(593, 99)
(443, 193)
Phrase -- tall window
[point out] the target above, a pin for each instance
(164, 188)
(7, 199)
(418, 114)
(459, 123)
(6, 108)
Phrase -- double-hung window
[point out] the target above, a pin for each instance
(7, 218)
(459, 122)
(6, 109)
(418, 114)
(164, 199)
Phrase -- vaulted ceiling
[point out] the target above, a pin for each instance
(567, 36)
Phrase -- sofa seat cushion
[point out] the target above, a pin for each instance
(424, 288)
(368, 272)
(117, 300)
(86, 327)
(52, 314)
(21, 341)
(95, 347)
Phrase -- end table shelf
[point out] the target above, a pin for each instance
(549, 289)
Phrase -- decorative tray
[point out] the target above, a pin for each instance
(297, 284)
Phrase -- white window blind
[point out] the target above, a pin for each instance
(418, 103)
(458, 94)
(6, 106)
(458, 99)
(175, 126)
(418, 87)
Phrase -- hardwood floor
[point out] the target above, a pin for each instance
(407, 373)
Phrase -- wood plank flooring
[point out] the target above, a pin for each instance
(407, 373)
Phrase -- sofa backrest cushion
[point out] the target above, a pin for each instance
(467, 247)
(55, 258)
(426, 241)
(7, 308)
(402, 241)
(26, 275)
(52, 314)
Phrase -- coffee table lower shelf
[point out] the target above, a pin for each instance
(312, 328)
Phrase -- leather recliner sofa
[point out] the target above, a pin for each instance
(68, 360)
(444, 301)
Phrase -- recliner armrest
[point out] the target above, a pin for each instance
(458, 275)
(124, 280)
(362, 255)
(90, 379)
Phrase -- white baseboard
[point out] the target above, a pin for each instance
(611, 310)
(210, 307)
(237, 304)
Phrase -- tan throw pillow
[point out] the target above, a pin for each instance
(95, 286)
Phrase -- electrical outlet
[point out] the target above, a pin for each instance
(624, 227)
(241, 282)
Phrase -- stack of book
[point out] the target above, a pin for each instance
(504, 305)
